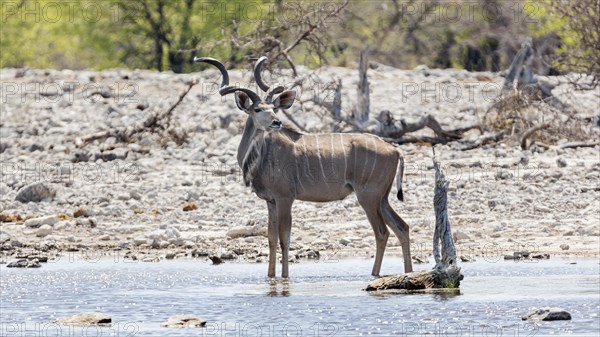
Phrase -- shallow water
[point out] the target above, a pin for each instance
(321, 299)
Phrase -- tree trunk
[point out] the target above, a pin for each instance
(361, 114)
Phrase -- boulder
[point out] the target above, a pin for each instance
(548, 314)
(4, 237)
(36, 192)
(215, 259)
(87, 318)
(24, 263)
(184, 321)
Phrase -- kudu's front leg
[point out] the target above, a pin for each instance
(284, 220)
(273, 232)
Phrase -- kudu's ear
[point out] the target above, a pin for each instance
(243, 101)
(285, 99)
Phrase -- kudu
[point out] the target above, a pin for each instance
(282, 164)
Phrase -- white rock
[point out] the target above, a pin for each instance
(87, 318)
(139, 241)
(124, 196)
(172, 233)
(458, 236)
(156, 235)
(37, 222)
(245, 231)
(43, 231)
(4, 237)
(62, 225)
(184, 321)
(135, 195)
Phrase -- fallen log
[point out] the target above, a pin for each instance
(421, 280)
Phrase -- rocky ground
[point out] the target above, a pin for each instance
(151, 196)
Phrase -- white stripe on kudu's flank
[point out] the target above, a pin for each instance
(333, 170)
(298, 175)
(374, 161)
(320, 161)
(307, 168)
(345, 157)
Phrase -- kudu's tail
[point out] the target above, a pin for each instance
(399, 175)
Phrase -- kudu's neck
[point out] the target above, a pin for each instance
(249, 133)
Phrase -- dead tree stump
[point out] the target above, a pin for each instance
(443, 233)
(446, 275)
(363, 104)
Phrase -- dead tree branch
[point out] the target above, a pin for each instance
(530, 132)
(157, 123)
(482, 140)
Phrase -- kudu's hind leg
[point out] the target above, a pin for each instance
(273, 232)
(284, 219)
(401, 229)
(371, 206)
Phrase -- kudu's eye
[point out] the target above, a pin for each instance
(256, 109)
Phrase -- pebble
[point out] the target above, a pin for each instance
(199, 253)
(43, 231)
(229, 256)
(246, 231)
(135, 195)
(87, 222)
(172, 233)
(459, 236)
(139, 241)
(37, 222)
(345, 241)
(561, 162)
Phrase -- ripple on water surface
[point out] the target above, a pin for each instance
(321, 299)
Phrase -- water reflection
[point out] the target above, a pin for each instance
(279, 288)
